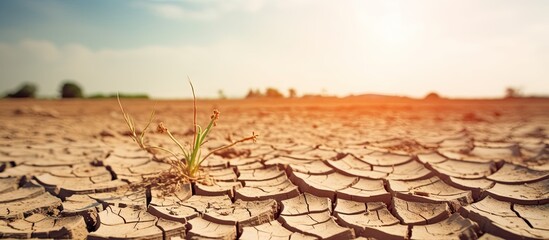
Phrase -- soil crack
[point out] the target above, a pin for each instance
(518, 215)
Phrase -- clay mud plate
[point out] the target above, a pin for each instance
(321, 169)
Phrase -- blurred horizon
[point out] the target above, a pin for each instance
(458, 49)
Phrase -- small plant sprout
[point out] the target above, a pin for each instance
(138, 137)
(187, 163)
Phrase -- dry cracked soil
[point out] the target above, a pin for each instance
(321, 169)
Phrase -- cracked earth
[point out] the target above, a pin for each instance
(343, 169)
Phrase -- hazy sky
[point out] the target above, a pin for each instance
(456, 48)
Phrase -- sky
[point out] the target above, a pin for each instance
(466, 48)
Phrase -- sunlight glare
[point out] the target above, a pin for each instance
(391, 29)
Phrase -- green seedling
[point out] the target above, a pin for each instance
(187, 164)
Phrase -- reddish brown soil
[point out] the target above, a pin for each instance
(322, 168)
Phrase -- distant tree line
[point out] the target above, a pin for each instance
(270, 93)
(27, 90)
(71, 90)
(510, 93)
(68, 89)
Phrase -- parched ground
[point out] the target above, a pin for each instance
(322, 169)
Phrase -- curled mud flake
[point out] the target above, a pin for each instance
(462, 169)
(385, 159)
(8, 184)
(431, 158)
(43, 203)
(370, 220)
(527, 193)
(29, 190)
(419, 213)
(476, 186)
(306, 203)
(66, 186)
(204, 229)
(217, 189)
(514, 174)
(454, 227)
(134, 223)
(508, 220)
(272, 230)
(312, 168)
(243, 213)
(322, 185)
(262, 184)
(320, 225)
(366, 190)
(429, 190)
(44, 226)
